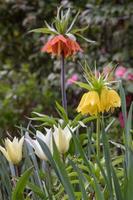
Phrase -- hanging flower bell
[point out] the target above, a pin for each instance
(101, 97)
(62, 35)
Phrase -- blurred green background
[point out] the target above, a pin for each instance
(29, 79)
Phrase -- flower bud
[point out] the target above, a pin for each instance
(13, 150)
(62, 138)
(47, 139)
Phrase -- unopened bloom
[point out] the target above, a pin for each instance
(13, 150)
(61, 45)
(109, 100)
(90, 103)
(47, 139)
(62, 138)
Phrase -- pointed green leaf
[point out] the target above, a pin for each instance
(82, 85)
(43, 30)
(81, 180)
(86, 39)
(77, 30)
(59, 168)
(73, 22)
(21, 184)
(62, 112)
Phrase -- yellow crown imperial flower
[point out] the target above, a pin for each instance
(90, 103)
(109, 100)
(100, 98)
(13, 150)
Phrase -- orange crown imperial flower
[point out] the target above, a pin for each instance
(61, 45)
(100, 98)
(62, 40)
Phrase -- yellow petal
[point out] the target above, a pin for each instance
(5, 153)
(114, 99)
(90, 103)
(104, 102)
(81, 102)
(61, 139)
(19, 147)
(63, 144)
(14, 151)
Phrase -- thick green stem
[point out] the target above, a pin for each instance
(63, 89)
(98, 136)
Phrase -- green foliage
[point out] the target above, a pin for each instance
(21, 184)
(5, 182)
(80, 174)
(28, 83)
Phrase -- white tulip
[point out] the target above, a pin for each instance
(13, 150)
(62, 138)
(47, 139)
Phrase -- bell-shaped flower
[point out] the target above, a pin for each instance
(109, 100)
(62, 138)
(47, 139)
(101, 97)
(60, 44)
(63, 35)
(90, 103)
(13, 150)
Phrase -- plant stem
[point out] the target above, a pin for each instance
(13, 174)
(49, 180)
(98, 136)
(16, 170)
(63, 90)
(63, 158)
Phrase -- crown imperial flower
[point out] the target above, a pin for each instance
(61, 45)
(109, 100)
(100, 98)
(13, 150)
(90, 103)
(62, 35)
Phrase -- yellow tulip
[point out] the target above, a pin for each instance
(90, 103)
(13, 150)
(62, 138)
(109, 100)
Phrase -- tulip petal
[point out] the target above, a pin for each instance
(5, 153)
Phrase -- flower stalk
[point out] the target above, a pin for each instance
(49, 180)
(98, 136)
(14, 173)
(63, 89)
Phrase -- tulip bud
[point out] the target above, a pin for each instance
(13, 150)
(62, 138)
